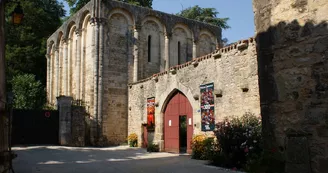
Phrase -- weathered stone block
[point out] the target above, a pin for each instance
(297, 168)
(323, 163)
(315, 115)
(297, 150)
(217, 55)
(218, 92)
(195, 63)
(242, 46)
(321, 45)
(322, 131)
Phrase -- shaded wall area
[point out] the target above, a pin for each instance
(292, 38)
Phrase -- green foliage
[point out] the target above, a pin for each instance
(28, 92)
(76, 5)
(26, 43)
(206, 15)
(153, 148)
(224, 41)
(143, 3)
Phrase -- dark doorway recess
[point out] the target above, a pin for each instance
(35, 127)
(183, 134)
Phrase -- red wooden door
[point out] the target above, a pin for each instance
(145, 137)
(179, 105)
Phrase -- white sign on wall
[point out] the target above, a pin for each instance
(189, 121)
(170, 123)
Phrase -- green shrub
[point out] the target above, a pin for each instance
(209, 148)
(153, 148)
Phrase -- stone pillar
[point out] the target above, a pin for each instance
(78, 63)
(95, 54)
(57, 72)
(48, 77)
(100, 82)
(194, 49)
(64, 107)
(167, 51)
(136, 53)
(292, 46)
(69, 66)
(51, 79)
(65, 70)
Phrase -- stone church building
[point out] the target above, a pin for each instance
(116, 56)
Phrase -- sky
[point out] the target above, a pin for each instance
(240, 13)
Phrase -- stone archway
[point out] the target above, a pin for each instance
(178, 123)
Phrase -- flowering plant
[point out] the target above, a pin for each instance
(197, 146)
(239, 138)
(203, 147)
(133, 139)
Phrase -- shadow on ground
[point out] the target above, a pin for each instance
(47, 159)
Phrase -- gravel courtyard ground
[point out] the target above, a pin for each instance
(122, 159)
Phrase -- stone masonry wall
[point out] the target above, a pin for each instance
(104, 89)
(147, 68)
(79, 127)
(116, 79)
(180, 35)
(292, 38)
(234, 70)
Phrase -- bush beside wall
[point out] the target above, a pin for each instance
(237, 144)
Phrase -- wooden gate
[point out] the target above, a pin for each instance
(144, 136)
(178, 106)
(35, 127)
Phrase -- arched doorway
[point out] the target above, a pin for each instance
(178, 124)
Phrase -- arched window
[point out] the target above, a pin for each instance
(179, 53)
(149, 48)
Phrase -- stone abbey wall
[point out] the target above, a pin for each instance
(292, 38)
(132, 43)
(233, 69)
(291, 50)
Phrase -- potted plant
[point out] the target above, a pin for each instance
(133, 140)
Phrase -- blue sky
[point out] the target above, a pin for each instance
(240, 13)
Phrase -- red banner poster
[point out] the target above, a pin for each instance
(151, 113)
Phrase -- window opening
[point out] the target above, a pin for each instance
(179, 52)
(149, 48)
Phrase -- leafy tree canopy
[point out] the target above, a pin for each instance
(207, 15)
(76, 5)
(28, 92)
(26, 43)
(143, 3)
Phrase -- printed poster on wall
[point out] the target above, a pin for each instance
(151, 113)
(207, 107)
